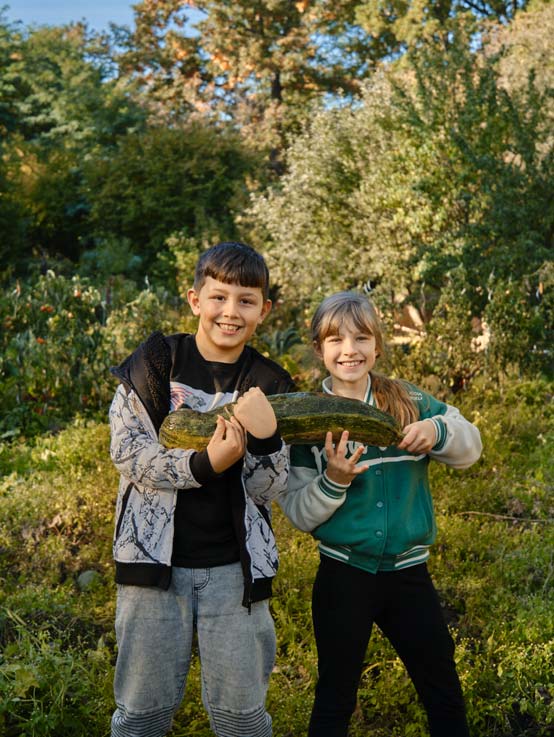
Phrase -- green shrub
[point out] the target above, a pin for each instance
(60, 336)
(46, 687)
(52, 363)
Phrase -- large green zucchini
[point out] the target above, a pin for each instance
(302, 417)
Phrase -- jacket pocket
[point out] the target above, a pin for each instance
(124, 503)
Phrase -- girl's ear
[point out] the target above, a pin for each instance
(317, 349)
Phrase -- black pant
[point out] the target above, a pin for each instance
(404, 604)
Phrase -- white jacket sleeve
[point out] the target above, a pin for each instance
(311, 498)
(265, 477)
(136, 452)
(459, 441)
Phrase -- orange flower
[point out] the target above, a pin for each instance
(41, 341)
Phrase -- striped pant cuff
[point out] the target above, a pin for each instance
(255, 723)
(144, 724)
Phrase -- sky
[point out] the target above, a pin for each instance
(97, 13)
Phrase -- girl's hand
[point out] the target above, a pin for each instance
(419, 437)
(226, 445)
(340, 469)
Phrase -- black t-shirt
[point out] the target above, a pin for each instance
(204, 531)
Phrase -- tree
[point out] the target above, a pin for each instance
(67, 96)
(59, 105)
(259, 64)
(525, 46)
(10, 54)
(398, 25)
(441, 172)
(189, 179)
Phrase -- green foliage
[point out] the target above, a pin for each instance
(62, 103)
(498, 153)
(180, 259)
(281, 341)
(397, 25)
(188, 179)
(52, 361)
(259, 64)
(523, 315)
(441, 178)
(436, 187)
(135, 319)
(45, 688)
(516, 418)
(57, 645)
(448, 357)
(59, 337)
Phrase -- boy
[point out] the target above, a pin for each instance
(193, 544)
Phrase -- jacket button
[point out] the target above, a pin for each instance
(378, 472)
(379, 504)
(379, 533)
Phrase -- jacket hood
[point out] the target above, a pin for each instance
(147, 371)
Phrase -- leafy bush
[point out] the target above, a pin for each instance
(60, 336)
(440, 178)
(52, 359)
(164, 180)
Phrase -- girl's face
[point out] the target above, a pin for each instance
(349, 357)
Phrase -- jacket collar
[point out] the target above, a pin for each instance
(368, 397)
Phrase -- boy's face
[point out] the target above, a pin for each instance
(229, 315)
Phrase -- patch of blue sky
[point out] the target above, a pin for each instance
(98, 15)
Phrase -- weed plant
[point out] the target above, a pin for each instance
(493, 565)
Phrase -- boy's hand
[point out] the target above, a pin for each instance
(226, 445)
(340, 469)
(255, 414)
(419, 437)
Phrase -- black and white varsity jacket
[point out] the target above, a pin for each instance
(153, 476)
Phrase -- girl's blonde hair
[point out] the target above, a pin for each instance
(391, 395)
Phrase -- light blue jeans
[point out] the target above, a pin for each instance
(154, 630)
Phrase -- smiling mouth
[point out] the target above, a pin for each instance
(350, 364)
(228, 328)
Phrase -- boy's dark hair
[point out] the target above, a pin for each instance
(232, 262)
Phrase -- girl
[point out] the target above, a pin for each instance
(371, 510)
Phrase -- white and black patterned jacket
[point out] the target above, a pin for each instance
(151, 475)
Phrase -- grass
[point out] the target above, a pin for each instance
(493, 564)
